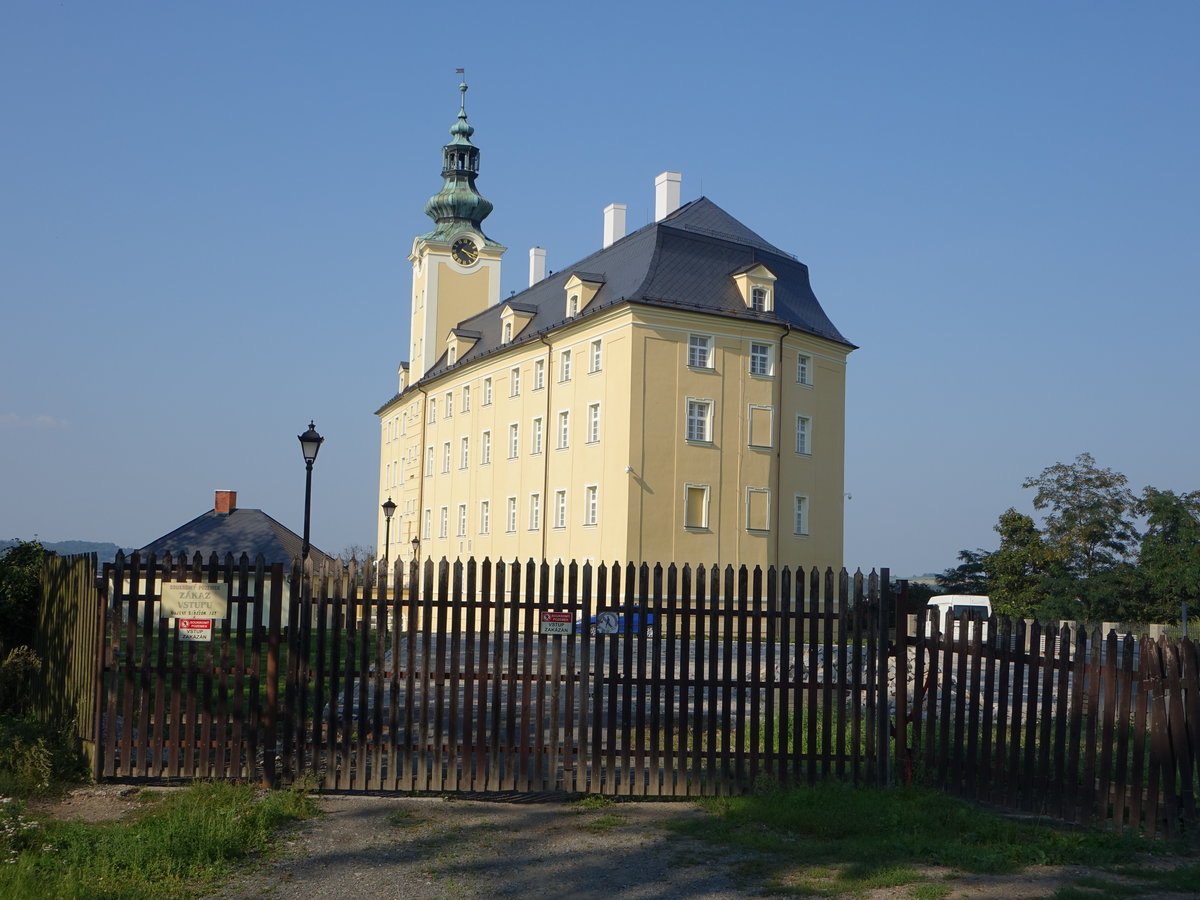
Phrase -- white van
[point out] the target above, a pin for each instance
(961, 607)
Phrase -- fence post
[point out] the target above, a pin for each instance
(883, 719)
(900, 651)
(271, 712)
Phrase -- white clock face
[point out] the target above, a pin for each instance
(464, 252)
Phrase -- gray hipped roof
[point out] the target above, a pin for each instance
(249, 531)
(685, 261)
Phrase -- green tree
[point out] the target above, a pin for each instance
(1089, 516)
(20, 594)
(968, 577)
(1021, 570)
(1169, 558)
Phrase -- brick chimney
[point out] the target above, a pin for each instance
(226, 503)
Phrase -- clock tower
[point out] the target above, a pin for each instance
(456, 267)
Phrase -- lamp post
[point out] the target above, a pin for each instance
(310, 444)
(416, 542)
(389, 509)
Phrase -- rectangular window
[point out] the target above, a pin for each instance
(511, 519)
(761, 430)
(444, 524)
(485, 448)
(536, 442)
(445, 457)
(800, 516)
(464, 453)
(758, 509)
(593, 427)
(760, 359)
(560, 509)
(514, 441)
(485, 517)
(758, 299)
(591, 505)
(803, 435)
(564, 366)
(466, 404)
(700, 351)
(564, 430)
(699, 420)
(449, 404)
(535, 511)
(487, 391)
(462, 520)
(803, 368)
(428, 461)
(595, 358)
(432, 410)
(695, 506)
(428, 524)
(514, 382)
(539, 374)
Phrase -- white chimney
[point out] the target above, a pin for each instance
(614, 223)
(666, 194)
(537, 265)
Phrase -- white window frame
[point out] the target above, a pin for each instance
(445, 457)
(596, 355)
(462, 520)
(593, 426)
(564, 365)
(432, 410)
(564, 429)
(514, 440)
(760, 357)
(429, 461)
(750, 426)
(560, 508)
(508, 331)
(511, 518)
(514, 381)
(591, 504)
(485, 517)
(800, 514)
(464, 453)
(760, 299)
(803, 368)
(428, 524)
(757, 490)
(804, 436)
(487, 391)
(444, 523)
(485, 450)
(573, 305)
(449, 405)
(539, 374)
(700, 351)
(703, 517)
(535, 439)
(466, 398)
(535, 511)
(694, 405)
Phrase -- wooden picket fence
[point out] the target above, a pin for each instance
(1057, 721)
(450, 682)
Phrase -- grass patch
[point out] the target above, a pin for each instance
(837, 840)
(606, 822)
(593, 802)
(174, 848)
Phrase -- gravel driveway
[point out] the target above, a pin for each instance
(405, 848)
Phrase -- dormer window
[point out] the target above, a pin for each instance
(507, 332)
(581, 288)
(756, 284)
(573, 305)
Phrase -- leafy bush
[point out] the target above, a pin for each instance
(18, 675)
(20, 594)
(36, 757)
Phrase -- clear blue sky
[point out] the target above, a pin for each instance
(207, 210)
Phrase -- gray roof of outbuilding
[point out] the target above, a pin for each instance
(249, 531)
(685, 261)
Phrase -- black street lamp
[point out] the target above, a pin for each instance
(310, 444)
(416, 542)
(389, 509)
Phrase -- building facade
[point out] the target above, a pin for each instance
(679, 395)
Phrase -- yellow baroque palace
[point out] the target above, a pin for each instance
(677, 396)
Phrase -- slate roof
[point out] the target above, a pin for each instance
(685, 261)
(249, 531)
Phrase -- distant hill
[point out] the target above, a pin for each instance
(105, 552)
